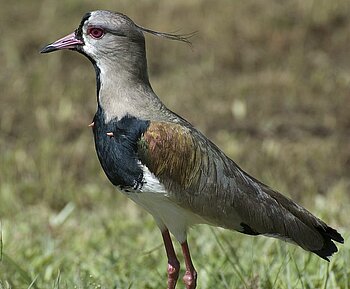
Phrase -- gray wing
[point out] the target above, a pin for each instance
(203, 179)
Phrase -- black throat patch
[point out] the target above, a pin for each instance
(79, 30)
(117, 153)
(80, 49)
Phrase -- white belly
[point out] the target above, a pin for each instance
(167, 214)
(154, 198)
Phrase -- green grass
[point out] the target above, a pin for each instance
(266, 81)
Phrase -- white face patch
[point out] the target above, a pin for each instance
(90, 46)
(89, 49)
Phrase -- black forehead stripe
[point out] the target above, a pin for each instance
(85, 18)
(79, 31)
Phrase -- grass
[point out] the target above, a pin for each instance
(267, 81)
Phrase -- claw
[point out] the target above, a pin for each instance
(91, 124)
(111, 134)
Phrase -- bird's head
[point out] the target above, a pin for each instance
(105, 38)
(111, 39)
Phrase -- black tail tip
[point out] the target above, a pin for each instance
(329, 248)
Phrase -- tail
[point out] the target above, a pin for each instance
(329, 248)
(275, 215)
(305, 229)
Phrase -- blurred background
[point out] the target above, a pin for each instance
(267, 81)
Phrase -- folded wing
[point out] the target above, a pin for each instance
(201, 178)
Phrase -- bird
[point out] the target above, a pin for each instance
(164, 164)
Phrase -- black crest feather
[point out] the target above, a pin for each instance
(172, 36)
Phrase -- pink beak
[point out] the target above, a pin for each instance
(68, 42)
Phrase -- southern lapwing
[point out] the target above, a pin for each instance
(161, 162)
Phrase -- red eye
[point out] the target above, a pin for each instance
(95, 32)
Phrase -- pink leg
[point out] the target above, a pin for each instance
(190, 278)
(173, 262)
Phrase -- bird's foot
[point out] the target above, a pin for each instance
(173, 273)
(190, 279)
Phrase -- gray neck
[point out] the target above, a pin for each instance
(126, 92)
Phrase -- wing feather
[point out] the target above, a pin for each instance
(201, 178)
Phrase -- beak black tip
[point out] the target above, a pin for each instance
(48, 48)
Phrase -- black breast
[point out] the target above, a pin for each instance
(118, 153)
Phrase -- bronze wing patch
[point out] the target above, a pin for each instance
(171, 154)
